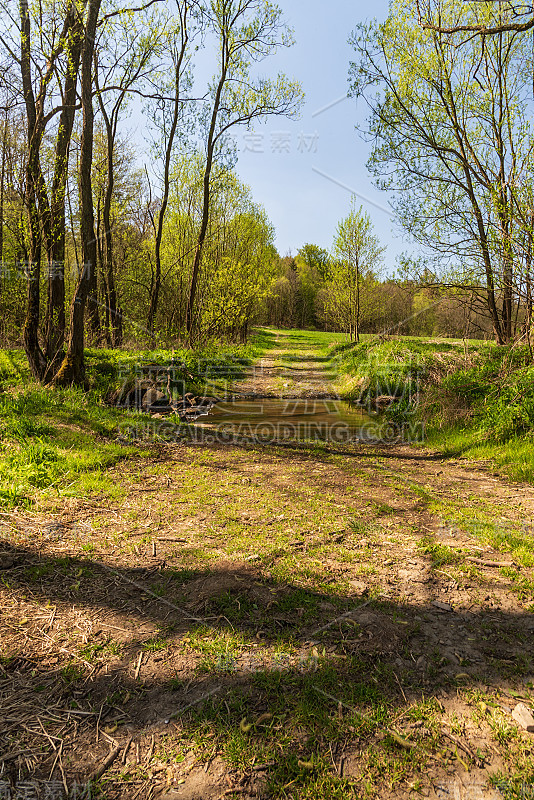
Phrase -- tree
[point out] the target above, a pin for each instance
(178, 42)
(488, 20)
(246, 31)
(72, 369)
(52, 45)
(357, 256)
(316, 258)
(312, 265)
(123, 58)
(243, 276)
(13, 253)
(46, 70)
(238, 251)
(453, 139)
(4, 139)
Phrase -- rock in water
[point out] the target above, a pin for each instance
(154, 397)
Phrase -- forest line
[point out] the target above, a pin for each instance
(97, 248)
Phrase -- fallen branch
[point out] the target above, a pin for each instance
(339, 619)
(148, 591)
(126, 748)
(171, 539)
(263, 767)
(484, 563)
(400, 740)
(463, 746)
(106, 764)
(150, 752)
(195, 702)
(138, 667)
(11, 756)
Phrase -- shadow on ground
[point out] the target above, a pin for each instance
(224, 682)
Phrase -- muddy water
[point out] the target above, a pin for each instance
(285, 419)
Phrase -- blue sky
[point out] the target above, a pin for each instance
(295, 168)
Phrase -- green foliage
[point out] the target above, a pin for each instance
(315, 258)
(239, 256)
(479, 400)
(391, 369)
(44, 441)
(452, 134)
(356, 258)
(439, 553)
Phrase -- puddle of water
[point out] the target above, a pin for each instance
(301, 420)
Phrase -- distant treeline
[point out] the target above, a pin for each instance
(300, 298)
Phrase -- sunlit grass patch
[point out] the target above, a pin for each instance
(506, 536)
(155, 644)
(41, 448)
(219, 650)
(61, 440)
(476, 402)
(100, 651)
(519, 785)
(439, 554)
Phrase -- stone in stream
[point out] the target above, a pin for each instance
(154, 398)
(384, 401)
(146, 394)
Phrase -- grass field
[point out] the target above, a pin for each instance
(292, 621)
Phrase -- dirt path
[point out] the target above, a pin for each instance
(290, 621)
(297, 366)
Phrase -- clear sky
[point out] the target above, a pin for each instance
(295, 168)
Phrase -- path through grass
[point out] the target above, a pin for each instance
(239, 620)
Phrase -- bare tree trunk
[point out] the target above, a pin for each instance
(100, 236)
(44, 217)
(528, 292)
(111, 291)
(72, 369)
(507, 301)
(93, 314)
(190, 312)
(483, 238)
(55, 318)
(490, 285)
(156, 285)
(357, 321)
(30, 333)
(2, 195)
(2, 183)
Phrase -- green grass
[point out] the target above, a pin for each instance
(319, 342)
(100, 650)
(219, 650)
(216, 361)
(55, 441)
(62, 441)
(439, 554)
(475, 399)
(294, 722)
(155, 644)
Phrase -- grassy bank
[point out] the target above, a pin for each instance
(475, 399)
(62, 440)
